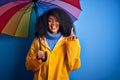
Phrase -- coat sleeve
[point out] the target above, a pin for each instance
(73, 54)
(31, 62)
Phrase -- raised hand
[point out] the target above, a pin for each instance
(72, 35)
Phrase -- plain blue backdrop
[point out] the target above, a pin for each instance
(98, 29)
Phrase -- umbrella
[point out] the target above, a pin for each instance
(18, 17)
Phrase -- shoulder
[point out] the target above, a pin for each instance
(35, 39)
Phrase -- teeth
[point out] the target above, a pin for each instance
(53, 27)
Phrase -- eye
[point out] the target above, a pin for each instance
(56, 20)
(50, 20)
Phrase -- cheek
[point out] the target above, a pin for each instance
(49, 26)
(49, 23)
(58, 24)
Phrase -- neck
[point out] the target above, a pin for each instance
(53, 36)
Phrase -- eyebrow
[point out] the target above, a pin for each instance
(49, 18)
(52, 18)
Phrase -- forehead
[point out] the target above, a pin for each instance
(52, 17)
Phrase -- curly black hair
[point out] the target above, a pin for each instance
(66, 23)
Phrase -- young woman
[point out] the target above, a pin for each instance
(55, 37)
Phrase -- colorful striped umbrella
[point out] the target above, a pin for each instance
(18, 17)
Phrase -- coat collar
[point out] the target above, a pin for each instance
(59, 42)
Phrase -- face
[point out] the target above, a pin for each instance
(53, 24)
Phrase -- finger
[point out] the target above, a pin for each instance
(71, 31)
(43, 57)
(70, 37)
(73, 37)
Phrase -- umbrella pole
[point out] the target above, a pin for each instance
(39, 36)
(36, 20)
(35, 9)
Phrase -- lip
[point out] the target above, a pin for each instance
(53, 27)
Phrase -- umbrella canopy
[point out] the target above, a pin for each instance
(18, 17)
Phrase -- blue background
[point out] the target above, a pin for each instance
(98, 29)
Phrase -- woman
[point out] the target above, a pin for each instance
(54, 34)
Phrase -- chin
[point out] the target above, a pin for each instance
(54, 31)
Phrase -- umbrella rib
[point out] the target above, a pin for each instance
(25, 9)
(69, 8)
(7, 15)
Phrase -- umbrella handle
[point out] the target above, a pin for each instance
(46, 55)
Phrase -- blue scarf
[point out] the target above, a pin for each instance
(52, 39)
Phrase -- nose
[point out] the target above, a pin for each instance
(53, 22)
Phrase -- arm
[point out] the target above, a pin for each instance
(73, 53)
(32, 63)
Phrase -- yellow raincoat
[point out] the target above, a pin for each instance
(61, 60)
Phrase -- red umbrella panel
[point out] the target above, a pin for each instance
(18, 17)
